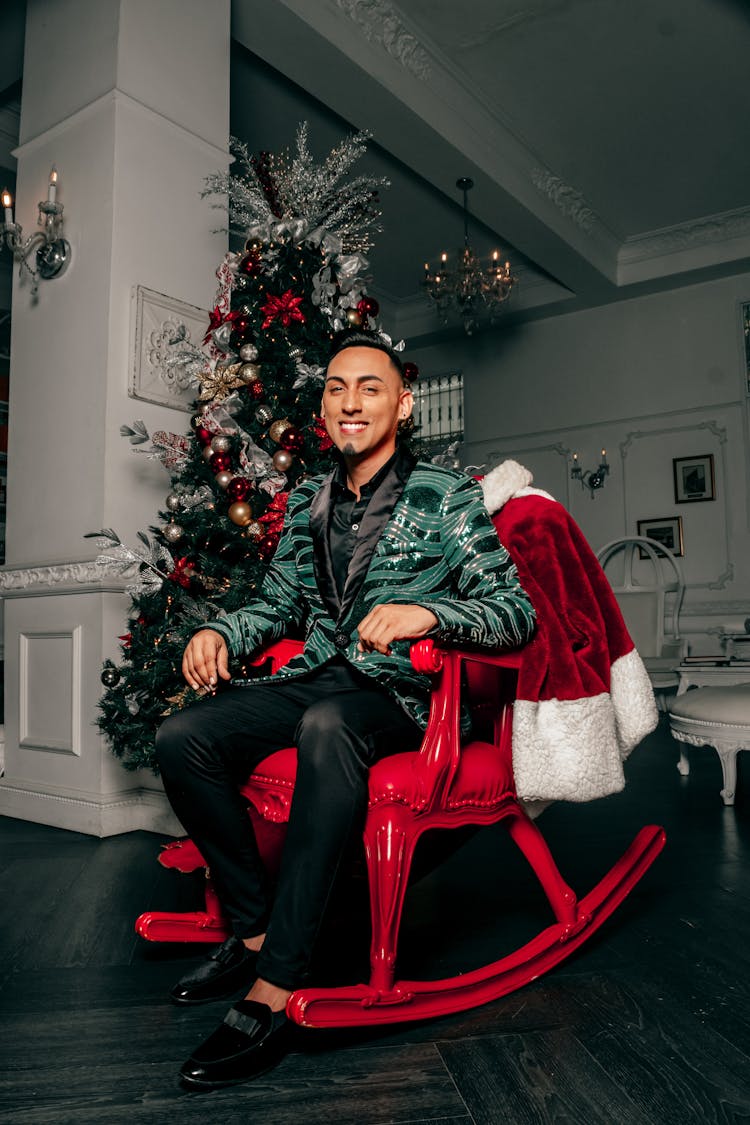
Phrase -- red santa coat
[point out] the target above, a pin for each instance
(584, 697)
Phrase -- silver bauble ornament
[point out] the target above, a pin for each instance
(173, 502)
(254, 530)
(223, 478)
(282, 460)
(173, 532)
(248, 352)
(110, 677)
(295, 353)
(263, 414)
(207, 452)
(221, 443)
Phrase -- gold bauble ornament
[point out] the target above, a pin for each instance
(249, 372)
(173, 532)
(353, 318)
(240, 513)
(223, 478)
(221, 443)
(282, 460)
(276, 429)
(207, 452)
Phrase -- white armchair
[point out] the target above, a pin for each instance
(650, 605)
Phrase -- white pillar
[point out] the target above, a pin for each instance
(130, 100)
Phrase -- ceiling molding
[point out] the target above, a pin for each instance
(571, 202)
(381, 23)
(686, 246)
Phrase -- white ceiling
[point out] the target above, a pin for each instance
(606, 138)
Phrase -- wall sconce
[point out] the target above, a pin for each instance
(593, 479)
(52, 250)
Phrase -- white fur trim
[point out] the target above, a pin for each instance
(636, 713)
(572, 750)
(505, 482)
(566, 750)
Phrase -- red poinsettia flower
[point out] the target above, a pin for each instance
(184, 570)
(127, 640)
(273, 517)
(215, 320)
(321, 433)
(285, 308)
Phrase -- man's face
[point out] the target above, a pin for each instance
(363, 402)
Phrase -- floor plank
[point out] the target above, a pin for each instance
(648, 1022)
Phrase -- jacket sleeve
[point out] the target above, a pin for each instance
(491, 609)
(280, 604)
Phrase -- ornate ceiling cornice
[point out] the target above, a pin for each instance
(571, 202)
(709, 229)
(380, 22)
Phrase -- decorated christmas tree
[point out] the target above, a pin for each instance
(299, 278)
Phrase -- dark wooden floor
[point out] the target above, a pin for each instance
(649, 1022)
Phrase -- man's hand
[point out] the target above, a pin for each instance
(206, 657)
(387, 623)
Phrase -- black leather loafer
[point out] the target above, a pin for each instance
(226, 971)
(251, 1040)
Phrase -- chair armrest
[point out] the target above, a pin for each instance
(439, 755)
(279, 653)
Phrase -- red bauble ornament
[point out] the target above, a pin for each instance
(219, 462)
(203, 435)
(249, 265)
(239, 488)
(267, 545)
(292, 439)
(411, 372)
(256, 390)
(368, 306)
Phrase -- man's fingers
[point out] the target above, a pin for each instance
(206, 657)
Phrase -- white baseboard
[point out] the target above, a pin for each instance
(136, 809)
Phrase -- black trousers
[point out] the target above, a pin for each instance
(341, 724)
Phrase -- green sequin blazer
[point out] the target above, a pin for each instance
(426, 539)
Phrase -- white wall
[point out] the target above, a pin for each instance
(651, 379)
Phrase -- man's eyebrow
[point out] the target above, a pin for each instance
(359, 378)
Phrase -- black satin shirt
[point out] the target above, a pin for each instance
(347, 513)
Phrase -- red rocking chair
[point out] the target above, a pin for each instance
(442, 785)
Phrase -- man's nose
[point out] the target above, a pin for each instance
(351, 402)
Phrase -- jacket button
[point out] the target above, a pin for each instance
(341, 639)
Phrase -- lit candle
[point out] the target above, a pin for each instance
(604, 457)
(443, 258)
(52, 189)
(575, 457)
(494, 255)
(8, 207)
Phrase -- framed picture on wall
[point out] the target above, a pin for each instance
(667, 531)
(694, 478)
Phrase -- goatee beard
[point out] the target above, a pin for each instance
(349, 450)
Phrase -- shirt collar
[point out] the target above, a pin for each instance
(401, 464)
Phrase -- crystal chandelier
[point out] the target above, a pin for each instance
(468, 288)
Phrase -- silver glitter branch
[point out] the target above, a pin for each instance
(118, 558)
(313, 195)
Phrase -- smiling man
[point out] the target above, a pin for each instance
(380, 552)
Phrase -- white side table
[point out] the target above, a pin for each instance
(710, 674)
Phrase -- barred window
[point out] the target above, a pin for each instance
(439, 410)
